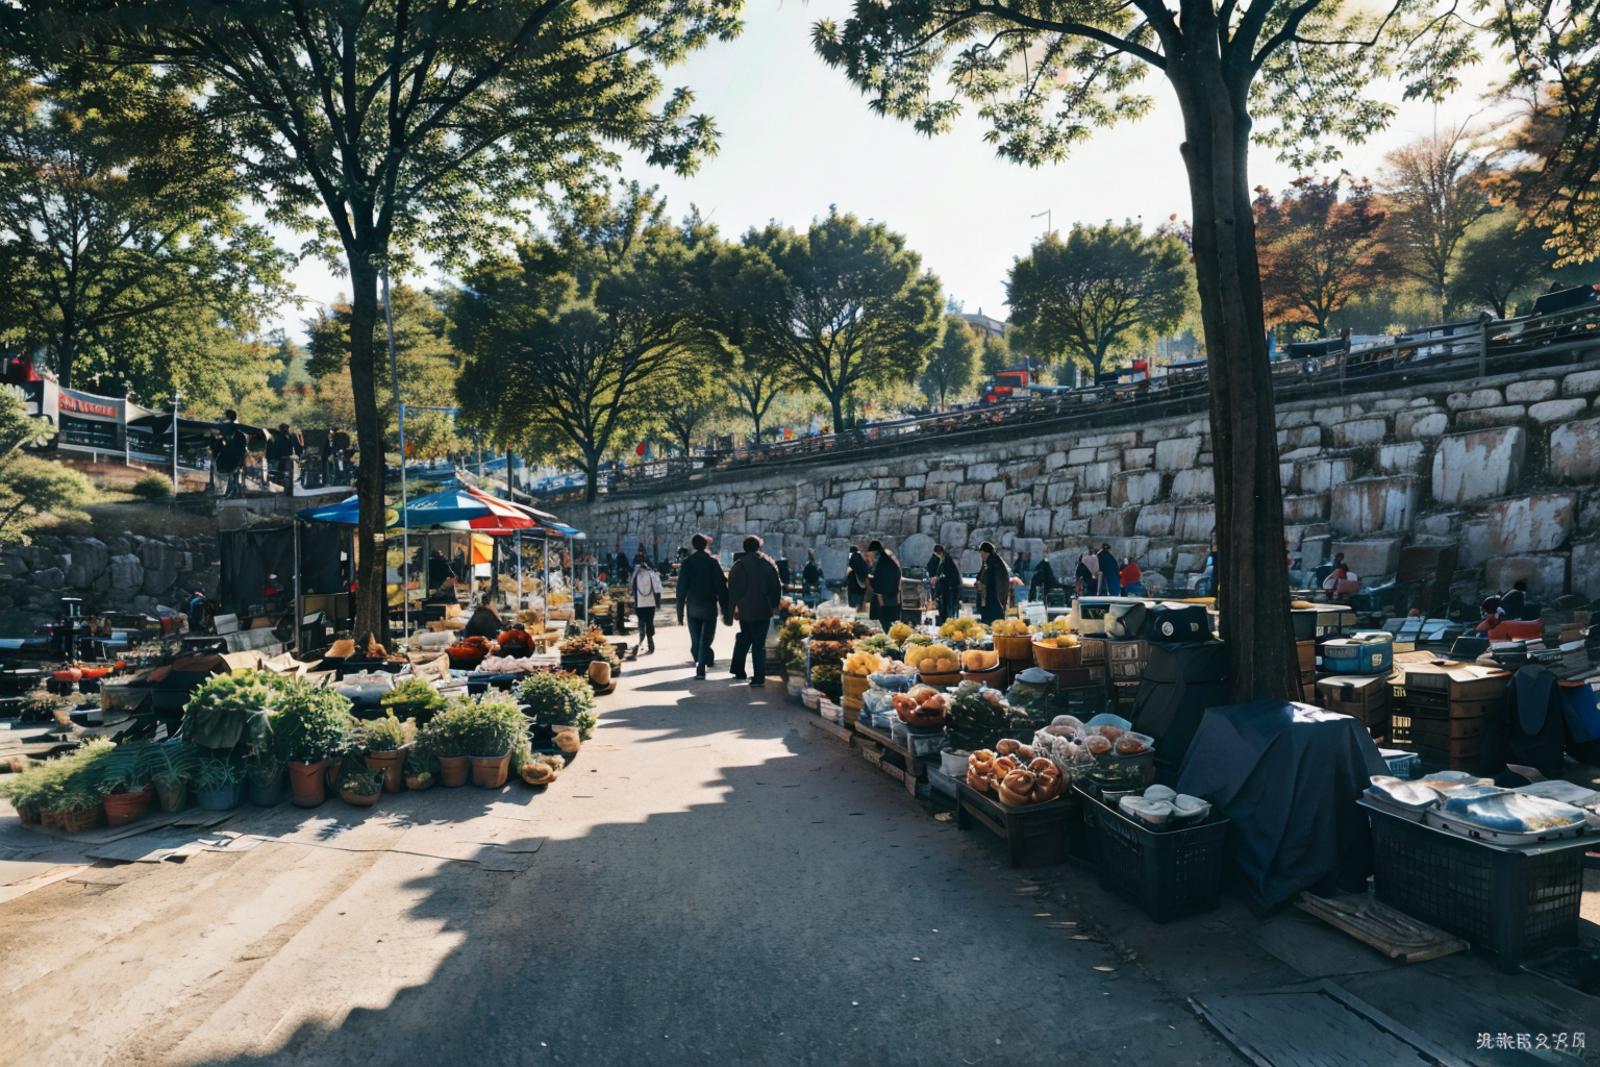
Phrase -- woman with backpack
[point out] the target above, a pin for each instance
(645, 586)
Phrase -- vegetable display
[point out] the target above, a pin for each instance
(922, 706)
(1014, 774)
(1010, 628)
(963, 629)
(932, 659)
(863, 662)
(980, 717)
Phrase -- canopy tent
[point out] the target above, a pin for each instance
(346, 512)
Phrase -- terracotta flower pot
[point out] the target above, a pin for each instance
(453, 771)
(599, 673)
(76, 822)
(308, 783)
(418, 782)
(29, 814)
(490, 771)
(392, 764)
(123, 808)
(359, 800)
(171, 798)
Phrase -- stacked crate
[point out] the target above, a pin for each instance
(1306, 651)
(1122, 662)
(1450, 714)
(1366, 697)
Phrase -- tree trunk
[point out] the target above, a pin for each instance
(591, 475)
(372, 600)
(837, 403)
(1251, 569)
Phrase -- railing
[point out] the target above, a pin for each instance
(1453, 351)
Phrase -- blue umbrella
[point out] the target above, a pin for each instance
(347, 512)
(462, 505)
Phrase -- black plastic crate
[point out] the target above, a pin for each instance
(1170, 873)
(1511, 903)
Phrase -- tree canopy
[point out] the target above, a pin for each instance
(1437, 187)
(123, 246)
(1322, 243)
(954, 364)
(30, 487)
(1101, 293)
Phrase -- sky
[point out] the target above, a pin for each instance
(796, 137)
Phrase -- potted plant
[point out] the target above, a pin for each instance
(557, 699)
(414, 698)
(172, 767)
(229, 712)
(125, 782)
(218, 783)
(496, 728)
(310, 727)
(263, 778)
(446, 738)
(385, 742)
(77, 809)
(360, 786)
(420, 768)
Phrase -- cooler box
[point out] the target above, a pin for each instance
(1366, 653)
(1177, 622)
(1089, 613)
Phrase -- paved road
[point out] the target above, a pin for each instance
(718, 883)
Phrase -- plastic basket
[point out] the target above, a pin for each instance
(1510, 903)
(1170, 873)
(1404, 764)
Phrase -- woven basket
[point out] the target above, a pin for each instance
(855, 685)
(1056, 659)
(940, 681)
(1017, 648)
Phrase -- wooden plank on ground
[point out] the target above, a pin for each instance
(1318, 1026)
(1393, 933)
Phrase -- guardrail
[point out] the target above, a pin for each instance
(1452, 351)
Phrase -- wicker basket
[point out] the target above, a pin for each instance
(1056, 659)
(1017, 648)
(940, 681)
(855, 685)
(996, 677)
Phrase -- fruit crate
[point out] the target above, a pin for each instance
(1035, 834)
(1170, 873)
(1510, 902)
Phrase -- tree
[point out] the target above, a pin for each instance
(394, 126)
(1318, 248)
(688, 402)
(1102, 292)
(733, 282)
(1438, 189)
(121, 228)
(1554, 53)
(1500, 260)
(30, 487)
(996, 353)
(569, 340)
(844, 305)
(954, 362)
(1046, 73)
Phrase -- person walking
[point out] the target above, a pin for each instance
(754, 589)
(645, 584)
(1110, 581)
(703, 588)
(858, 576)
(946, 584)
(885, 585)
(1043, 582)
(811, 578)
(994, 584)
(677, 596)
(1088, 573)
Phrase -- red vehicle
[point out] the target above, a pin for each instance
(1006, 385)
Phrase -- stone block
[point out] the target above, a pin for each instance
(1036, 523)
(1321, 475)
(1481, 417)
(1055, 461)
(1476, 543)
(1134, 488)
(1177, 453)
(968, 493)
(1575, 451)
(1113, 522)
(1404, 457)
(1420, 425)
(1095, 476)
(1557, 410)
(953, 534)
(1082, 454)
(127, 573)
(1525, 524)
(1195, 523)
(1483, 464)
(1546, 575)
(915, 550)
(1586, 569)
(1288, 417)
(1376, 505)
(1371, 558)
(1300, 437)
(1138, 458)
(983, 472)
(1190, 559)
(1583, 383)
(90, 557)
(994, 490)
(1315, 551)
(1059, 492)
(1358, 432)
(1155, 520)
(1086, 504)
(1307, 507)
(1014, 506)
(1530, 392)
(1193, 484)
(1443, 524)
(1477, 398)
(855, 502)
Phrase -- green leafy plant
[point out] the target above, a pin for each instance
(556, 698)
(415, 699)
(41, 704)
(230, 711)
(386, 734)
(310, 723)
(216, 772)
(76, 798)
(420, 760)
(361, 782)
(494, 727)
(172, 763)
(152, 487)
(128, 768)
(447, 733)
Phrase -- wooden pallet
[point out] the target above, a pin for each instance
(1393, 933)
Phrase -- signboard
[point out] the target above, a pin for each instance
(88, 422)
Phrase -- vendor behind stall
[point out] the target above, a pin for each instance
(445, 593)
(1342, 584)
(515, 641)
(483, 623)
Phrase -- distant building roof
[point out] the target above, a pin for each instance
(979, 321)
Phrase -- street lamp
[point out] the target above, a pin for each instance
(1049, 220)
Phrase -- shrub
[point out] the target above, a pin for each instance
(446, 733)
(385, 734)
(555, 698)
(310, 724)
(413, 699)
(496, 726)
(230, 711)
(129, 767)
(362, 782)
(420, 761)
(216, 772)
(152, 487)
(172, 763)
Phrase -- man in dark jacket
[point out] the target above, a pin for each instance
(754, 589)
(858, 574)
(1044, 581)
(703, 588)
(1110, 579)
(946, 584)
(885, 585)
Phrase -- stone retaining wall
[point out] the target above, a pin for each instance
(1509, 468)
(122, 572)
